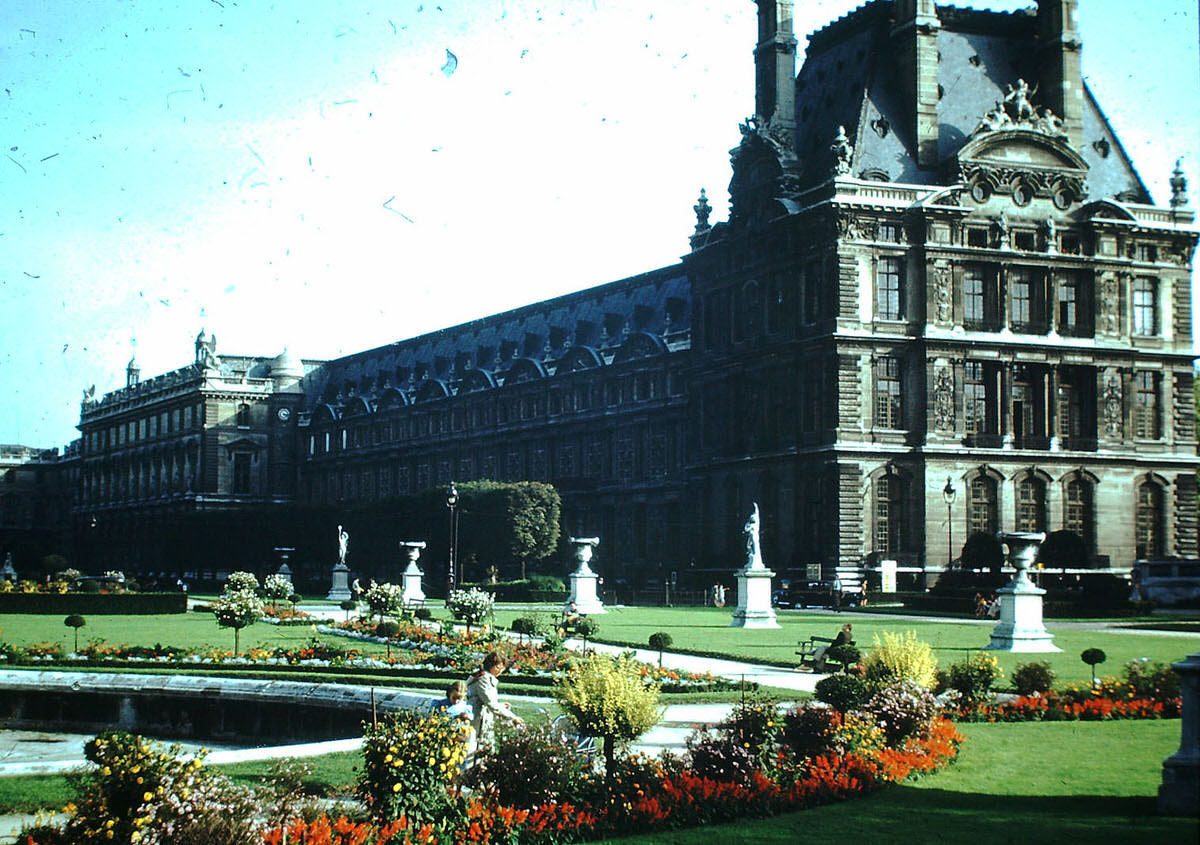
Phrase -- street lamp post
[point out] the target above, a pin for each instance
(452, 505)
(949, 494)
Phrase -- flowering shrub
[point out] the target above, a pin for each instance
(899, 657)
(141, 793)
(471, 606)
(858, 732)
(236, 610)
(904, 709)
(754, 725)
(241, 582)
(720, 757)
(808, 730)
(608, 698)
(410, 760)
(384, 599)
(277, 587)
(973, 677)
(1155, 681)
(1070, 705)
(530, 765)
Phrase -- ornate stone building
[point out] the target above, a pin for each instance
(942, 305)
(219, 433)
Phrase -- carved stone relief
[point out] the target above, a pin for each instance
(943, 395)
(1110, 299)
(943, 292)
(1113, 404)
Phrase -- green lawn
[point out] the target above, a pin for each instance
(707, 629)
(1051, 782)
(703, 629)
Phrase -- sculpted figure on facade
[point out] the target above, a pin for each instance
(943, 396)
(343, 543)
(842, 151)
(1112, 404)
(1110, 322)
(943, 291)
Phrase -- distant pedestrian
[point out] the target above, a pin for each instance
(356, 588)
(837, 595)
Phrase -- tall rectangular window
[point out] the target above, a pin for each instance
(241, 473)
(1068, 305)
(1020, 288)
(973, 282)
(889, 289)
(1145, 307)
(975, 398)
(1145, 406)
(887, 393)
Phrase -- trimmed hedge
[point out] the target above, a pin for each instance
(94, 604)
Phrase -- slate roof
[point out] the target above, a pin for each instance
(848, 78)
(602, 318)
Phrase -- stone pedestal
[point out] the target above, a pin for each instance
(754, 608)
(1179, 794)
(583, 579)
(411, 579)
(1021, 628)
(339, 590)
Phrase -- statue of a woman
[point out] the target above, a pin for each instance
(753, 552)
(343, 544)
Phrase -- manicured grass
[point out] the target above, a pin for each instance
(1049, 782)
(328, 775)
(707, 629)
(29, 793)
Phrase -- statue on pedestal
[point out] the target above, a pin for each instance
(343, 543)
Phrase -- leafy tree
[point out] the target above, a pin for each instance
(236, 610)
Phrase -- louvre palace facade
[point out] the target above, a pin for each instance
(942, 304)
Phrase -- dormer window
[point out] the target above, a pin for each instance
(243, 416)
(977, 236)
(1024, 240)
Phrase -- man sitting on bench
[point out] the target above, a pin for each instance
(570, 618)
(843, 638)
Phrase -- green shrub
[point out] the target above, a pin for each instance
(387, 628)
(842, 692)
(1156, 681)
(1033, 678)
(660, 642)
(898, 657)
(973, 677)
(608, 698)
(587, 627)
(808, 730)
(845, 655)
(423, 613)
(529, 766)
(524, 625)
(1093, 657)
(89, 587)
(409, 761)
(547, 583)
(720, 757)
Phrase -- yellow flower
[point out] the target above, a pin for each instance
(395, 787)
(146, 796)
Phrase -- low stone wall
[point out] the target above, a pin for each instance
(194, 708)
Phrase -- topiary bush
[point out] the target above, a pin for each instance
(236, 610)
(524, 626)
(660, 641)
(239, 582)
(844, 655)
(75, 621)
(842, 692)
(898, 657)
(1033, 678)
(470, 606)
(1093, 657)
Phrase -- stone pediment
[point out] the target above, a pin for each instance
(1023, 163)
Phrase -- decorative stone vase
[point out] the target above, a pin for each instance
(411, 578)
(583, 580)
(1021, 628)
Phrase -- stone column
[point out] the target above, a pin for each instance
(1021, 628)
(411, 578)
(583, 579)
(1179, 794)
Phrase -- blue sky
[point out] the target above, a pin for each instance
(317, 174)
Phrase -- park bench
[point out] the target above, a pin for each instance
(810, 648)
(409, 608)
(568, 625)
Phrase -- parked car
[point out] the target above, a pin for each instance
(813, 594)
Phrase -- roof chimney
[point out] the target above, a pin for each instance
(1060, 83)
(914, 33)
(775, 66)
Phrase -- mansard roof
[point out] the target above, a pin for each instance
(514, 346)
(849, 79)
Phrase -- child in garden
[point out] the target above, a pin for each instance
(482, 694)
(454, 705)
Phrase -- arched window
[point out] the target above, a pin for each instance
(1148, 522)
(243, 416)
(889, 520)
(1078, 513)
(1031, 504)
(983, 512)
